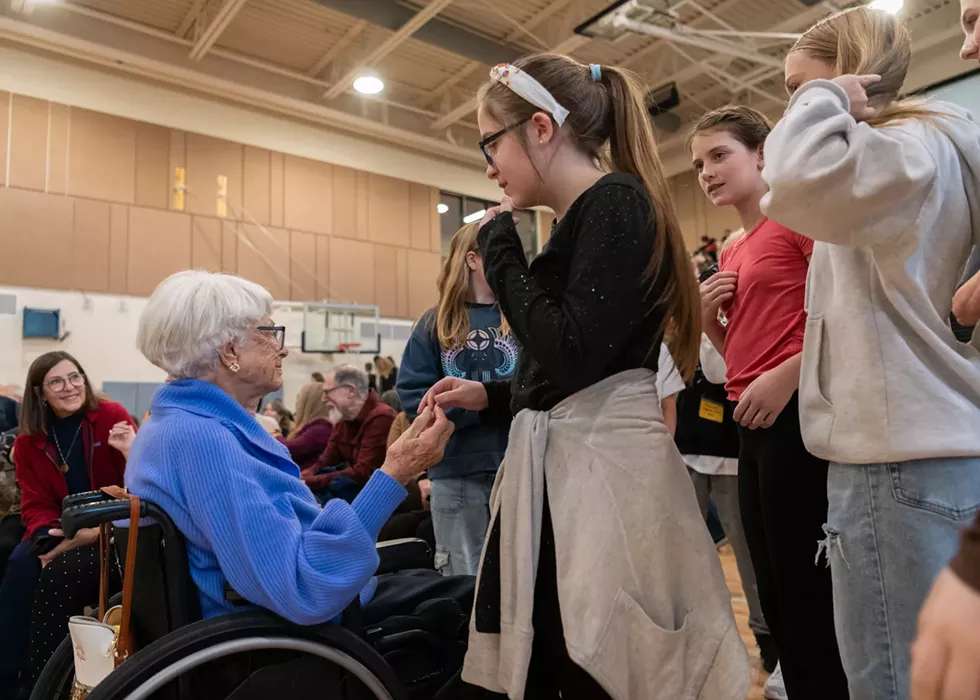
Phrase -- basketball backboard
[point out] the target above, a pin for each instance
(336, 328)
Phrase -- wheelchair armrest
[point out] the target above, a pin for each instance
(407, 553)
(92, 512)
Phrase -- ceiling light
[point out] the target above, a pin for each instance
(890, 6)
(475, 216)
(442, 208)
(369, 85)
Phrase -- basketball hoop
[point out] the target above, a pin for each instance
(349, 348)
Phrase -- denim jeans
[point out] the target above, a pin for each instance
(460, 517)
(890, 529)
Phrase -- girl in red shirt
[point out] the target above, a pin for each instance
(782, 487)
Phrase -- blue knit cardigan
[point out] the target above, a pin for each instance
(236, 496)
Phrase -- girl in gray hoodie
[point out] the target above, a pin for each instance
(889, 191)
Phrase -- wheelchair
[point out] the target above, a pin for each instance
(254, 653)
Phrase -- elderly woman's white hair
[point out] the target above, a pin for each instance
(192, 314)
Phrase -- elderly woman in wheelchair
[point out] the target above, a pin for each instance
(229, 496)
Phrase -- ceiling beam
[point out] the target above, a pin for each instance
(210, 35)
(188, 21)
(570, 44)
(715, 45)
(387, 46)
(729, 81)
(467, 70)
(334, 51)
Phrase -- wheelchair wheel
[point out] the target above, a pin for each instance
(253, 655)
(56, 678)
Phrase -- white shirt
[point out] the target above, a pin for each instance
(669, 380)
(713, 366)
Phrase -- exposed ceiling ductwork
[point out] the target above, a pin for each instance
(391, 15)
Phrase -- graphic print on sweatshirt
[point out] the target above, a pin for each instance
(486, 356)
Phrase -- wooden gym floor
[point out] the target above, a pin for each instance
(741, 609)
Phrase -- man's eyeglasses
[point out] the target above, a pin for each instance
(278, 333)
(59, 383)
(493, 137)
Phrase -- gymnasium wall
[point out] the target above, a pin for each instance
(100, 331)
(87, 204)
(696, 214)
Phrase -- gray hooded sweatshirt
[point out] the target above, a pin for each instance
(895, 213)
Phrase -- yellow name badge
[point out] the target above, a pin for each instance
(712, 410)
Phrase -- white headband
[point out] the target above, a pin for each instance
(530, 89)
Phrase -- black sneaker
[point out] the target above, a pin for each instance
(767, 650)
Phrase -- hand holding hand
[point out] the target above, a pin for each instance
(419, 447)
(425, 489)
(946, 654)
(765, 398)
(451, 392)
(856, 87)
(82, 538)
(121, 437)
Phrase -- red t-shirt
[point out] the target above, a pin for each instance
(766, 319)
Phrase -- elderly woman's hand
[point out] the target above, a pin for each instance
(121, 437)
(419, 447)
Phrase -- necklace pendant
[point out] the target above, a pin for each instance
(63, 468)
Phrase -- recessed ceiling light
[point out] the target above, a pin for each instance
(890, 6)
(442, 208)
(369, 85)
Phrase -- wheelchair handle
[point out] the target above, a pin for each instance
(92, 509)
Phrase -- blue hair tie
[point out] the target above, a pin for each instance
(596, 72)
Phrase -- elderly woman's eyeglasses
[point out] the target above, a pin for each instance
(60, 383)
(277, 333)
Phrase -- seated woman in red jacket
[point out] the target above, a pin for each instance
(70, 442)
(312, 430)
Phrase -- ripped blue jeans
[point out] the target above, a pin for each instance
(890, 529)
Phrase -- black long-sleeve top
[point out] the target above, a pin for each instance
(584, 309)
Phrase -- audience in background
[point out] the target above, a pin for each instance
(313, 428)
(359, 440)
(11, 527)
(387, 373)
(317, 377)
(70, 442)
(372, 377)
(277, 410)
(464, 336)
(391, 398)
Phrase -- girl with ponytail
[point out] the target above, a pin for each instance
(889, 189)
(596, 541)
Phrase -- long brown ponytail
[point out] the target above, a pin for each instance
(609, 121)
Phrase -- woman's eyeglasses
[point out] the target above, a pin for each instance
(277, 333)
(494, 136)
(59, 383)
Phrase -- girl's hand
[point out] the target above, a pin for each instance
(716, 292)
(451, 392)
(506, 204)
(765, 398)
(946, 653)
(82, 538)
(856, 87)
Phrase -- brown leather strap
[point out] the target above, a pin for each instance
(124, 642)
(104, 560)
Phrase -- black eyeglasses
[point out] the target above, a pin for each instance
(493, 137)
(278, 333)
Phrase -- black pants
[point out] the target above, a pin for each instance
(11, 533)
(782, 492)
(552, 674)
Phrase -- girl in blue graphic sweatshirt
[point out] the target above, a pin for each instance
(463, 336)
